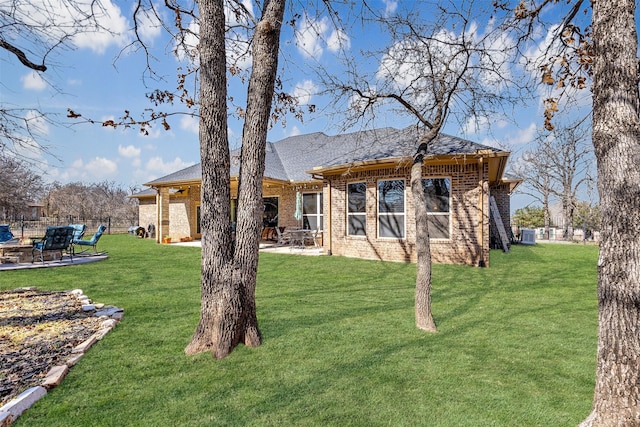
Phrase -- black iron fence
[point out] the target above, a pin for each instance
(22, 228)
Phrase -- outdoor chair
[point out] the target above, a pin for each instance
(283, 239)
(55, 239)
(5, 233)
(78, 231)
(91, 242)
(312, 237)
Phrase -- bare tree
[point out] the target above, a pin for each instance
(79, 201)
(433, 75)
(33, 32)
(604, 52)
(228, 309)
(18, 187)
(533, 167)
(559, 166)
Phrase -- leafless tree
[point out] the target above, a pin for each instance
(34, 33)
(559, 166)
(19, 186)
(597, 44)
(229, 269)
(79, 201)
(435, 70)
(533, 168)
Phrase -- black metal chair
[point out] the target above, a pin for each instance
(55, 239)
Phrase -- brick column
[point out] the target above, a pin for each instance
(163, 213)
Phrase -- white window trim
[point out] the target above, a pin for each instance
(404, 211)
(440, 239)
(348, 214)
(319, 216)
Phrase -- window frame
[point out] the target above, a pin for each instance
(448, 214)
(402, 214)
(319, 216)
(349, 214)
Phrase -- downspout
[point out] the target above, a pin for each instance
(481, 262)
(158, 207)
(329, 222)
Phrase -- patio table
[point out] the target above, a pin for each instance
(297, 237)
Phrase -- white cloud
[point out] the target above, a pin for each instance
(36, 123)
(338, 40)
(293, 131)
(114, 27)
(157, 164)
(101, 167)
(129, 151)
(65, 19)
(190, 124)
(523, 136)
(390, 7)
(149, 26)
(33, 81)
(304, 91)
(309, 36)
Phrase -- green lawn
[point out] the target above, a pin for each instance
(516, 343)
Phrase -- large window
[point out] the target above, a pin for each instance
(357, 209)
(312, 217)
(437, 191)
(391, 208)
(270, 215)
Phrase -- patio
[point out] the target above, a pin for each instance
(270, 247)
(65, 261)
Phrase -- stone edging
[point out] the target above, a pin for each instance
(16, 407)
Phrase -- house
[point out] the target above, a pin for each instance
(355, 189)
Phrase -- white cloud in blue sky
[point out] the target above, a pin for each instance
(33, 81)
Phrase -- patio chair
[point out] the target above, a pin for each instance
(91, 242)
(312, 237)
(283, 239)
(55, 239)
(78, 231)
(5, 233)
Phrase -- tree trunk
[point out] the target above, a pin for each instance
(616, 139)
(228, 309)
(547, 220)
(424, 317)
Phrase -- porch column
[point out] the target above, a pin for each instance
(162, 201)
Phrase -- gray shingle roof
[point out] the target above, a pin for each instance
(291, 158)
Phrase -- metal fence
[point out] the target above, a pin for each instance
(29, 228)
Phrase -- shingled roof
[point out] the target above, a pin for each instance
(292, 158)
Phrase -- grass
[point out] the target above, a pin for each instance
(516, 343)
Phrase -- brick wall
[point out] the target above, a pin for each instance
(468, 243)
(147, 212)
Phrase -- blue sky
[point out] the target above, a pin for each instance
(91, 81)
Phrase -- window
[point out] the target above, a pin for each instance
(437, 191)
(312, 218)
(357, 209)
(270, 214)
(391, 208)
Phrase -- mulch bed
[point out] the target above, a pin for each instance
(38, 330)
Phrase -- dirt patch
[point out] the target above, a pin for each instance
(38, 330)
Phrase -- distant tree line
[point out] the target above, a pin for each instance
(585, 216)
(21, 187)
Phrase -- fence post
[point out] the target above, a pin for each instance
(109, 228)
